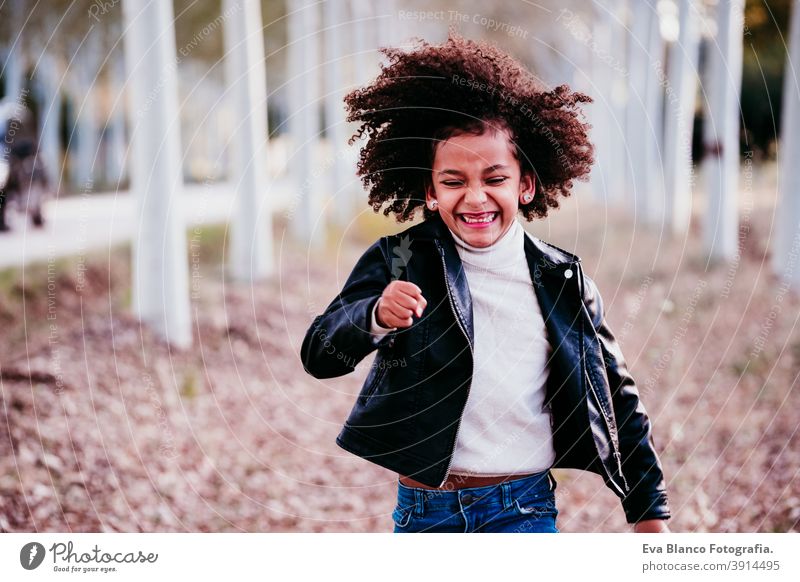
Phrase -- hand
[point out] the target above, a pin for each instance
(399, 301)
(651, 526)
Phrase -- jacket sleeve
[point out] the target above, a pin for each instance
(340, 338)
(641, 467)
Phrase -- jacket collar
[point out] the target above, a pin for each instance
(545, 255)
(546, 262)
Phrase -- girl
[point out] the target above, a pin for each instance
(494, 362)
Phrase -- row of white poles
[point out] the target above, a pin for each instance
(658, 116)
(160, 285)
(659, 167)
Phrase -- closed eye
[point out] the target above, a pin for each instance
(493, 181)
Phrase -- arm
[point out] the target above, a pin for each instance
(340, 337)
(647, 499)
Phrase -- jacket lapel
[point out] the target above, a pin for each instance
(555, 277)
(455, 275)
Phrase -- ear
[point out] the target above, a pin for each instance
(527, 186)
(430, 194)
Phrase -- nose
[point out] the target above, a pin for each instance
(475, 196)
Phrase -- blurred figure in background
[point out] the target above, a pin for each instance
(23, 179)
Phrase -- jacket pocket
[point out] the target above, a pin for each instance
(374, 378)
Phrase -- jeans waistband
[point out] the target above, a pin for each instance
(540, 483)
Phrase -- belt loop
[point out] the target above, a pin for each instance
(552, 480)
(506, 488)
(419, 505)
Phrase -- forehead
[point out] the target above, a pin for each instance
(489, 148)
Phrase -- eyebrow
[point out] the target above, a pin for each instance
(488, 170)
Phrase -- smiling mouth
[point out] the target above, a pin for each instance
(478, 217)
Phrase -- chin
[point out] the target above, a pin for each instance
(480, 239)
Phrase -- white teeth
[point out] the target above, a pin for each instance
(487, 218)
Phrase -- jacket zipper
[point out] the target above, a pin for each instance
(472, 353)
(614, 444)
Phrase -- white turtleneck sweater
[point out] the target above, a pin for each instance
(505, 428)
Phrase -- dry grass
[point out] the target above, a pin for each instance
(104, 428)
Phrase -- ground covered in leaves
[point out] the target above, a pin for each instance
(104, 428)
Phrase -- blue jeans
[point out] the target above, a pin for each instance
(524, 505)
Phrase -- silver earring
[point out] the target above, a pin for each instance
(527, 198)
(433, 205)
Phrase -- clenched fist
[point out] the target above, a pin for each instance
(399, 301)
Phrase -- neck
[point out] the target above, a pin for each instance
(503, 238)
(506, 250)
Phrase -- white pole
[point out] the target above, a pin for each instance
(87, 126)
(117, 143)
(338, 160)
(15, 59)
(636, 120)
(50, 125)
(722, 132)
(160, 270)
(787, 241)
(307, 222)
(608, 123)
(250, 254)
(653, 191)
(361, 49)
(386, 24)
(617, 100)
(679, 118)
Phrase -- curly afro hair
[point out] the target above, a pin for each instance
(423, 97)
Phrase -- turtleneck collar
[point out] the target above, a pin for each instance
(504, 252)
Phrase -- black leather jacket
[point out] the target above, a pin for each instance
(407, 414)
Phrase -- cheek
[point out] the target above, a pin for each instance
(447, 200)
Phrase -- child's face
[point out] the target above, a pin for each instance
(477, 176)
